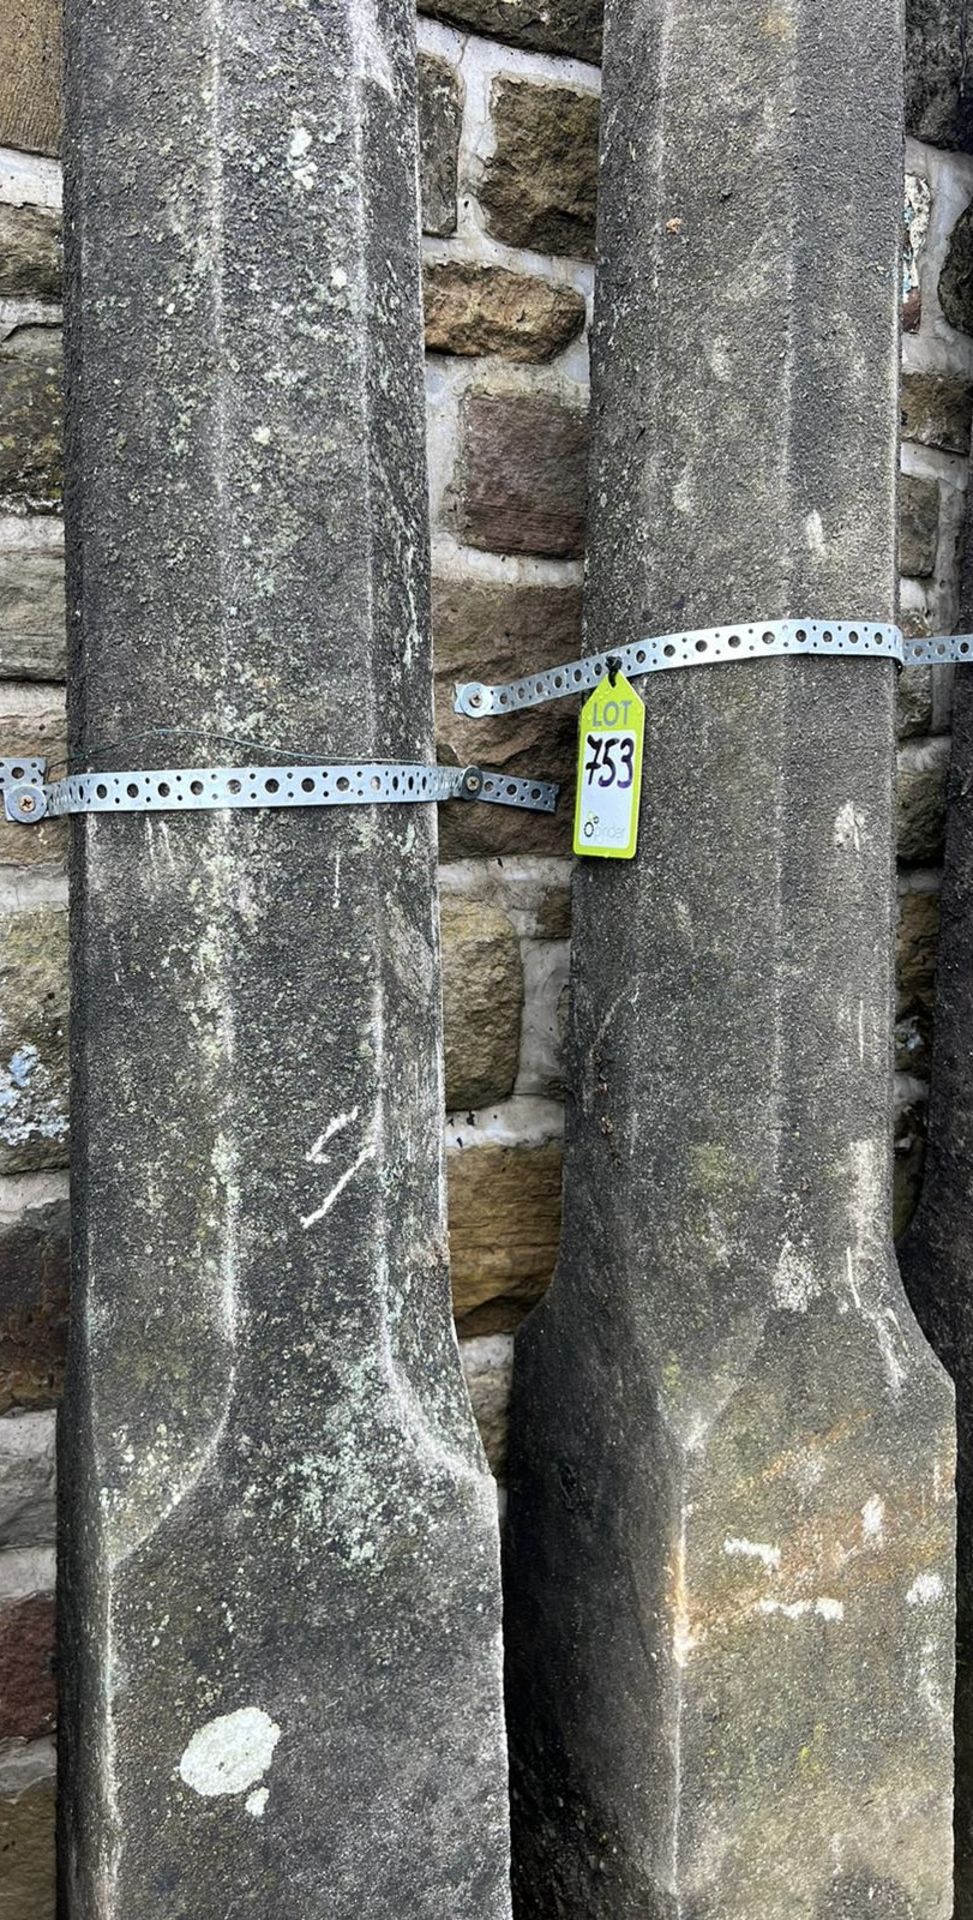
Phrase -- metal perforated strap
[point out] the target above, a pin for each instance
(28, 799)
(705, 646)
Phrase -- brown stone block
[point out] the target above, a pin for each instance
(38, 736)
(913, 697)
(472, 309)
(30, 253)
(33, 1040)
(921, 811)
(540, 185)
(918, 525)
(27, 1854)
(32, 635)
(33, 1305)
(440, 99)
(936, 411)
(31, 418)
(504, 1225)
(30, 75)
(916, 943)
(956, 278)
(524, 475)
(493, 633)
(554, 26)
(483, 991)
(28, 1701)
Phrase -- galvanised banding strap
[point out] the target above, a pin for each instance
(707, 645)
(28, 799)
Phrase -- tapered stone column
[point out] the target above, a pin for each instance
(280, 1655)
(729, 1610)
(937, 1250)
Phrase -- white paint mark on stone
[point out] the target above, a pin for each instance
(824, 1607)
(752, 1550)
(848, 828)
(231, 1753)
(316, 1157)
(256, 1802)
(794, 1283)
(925, 1589)
(873, 1520)
(814, 529)
(311, 1219)
(302, 170)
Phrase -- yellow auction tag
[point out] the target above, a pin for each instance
(606, 809)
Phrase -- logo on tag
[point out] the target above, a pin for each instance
(606, 811)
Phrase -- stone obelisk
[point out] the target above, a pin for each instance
(729, 1602)
(280, 1656)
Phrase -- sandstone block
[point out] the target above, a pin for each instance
(555, 26)
(488, 1368)
(938, 93)
(913, 702)
(483, 990)
(27, 1854)
(32, 640)
(26, 1479)
(956, 278)
(30, 253)
(40, 735)
(918, 525)
(921, 807)
(33, 1040)
(440, 101)
(28, 1705)
(539, 186)
(471, 309)
(33, 1305)
(917, 939)
(30, 75)
(31, 413)
(936, 411)
(493, 633)
(523, 486)
(504, 1224)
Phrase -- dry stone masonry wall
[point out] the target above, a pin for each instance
(508, 113)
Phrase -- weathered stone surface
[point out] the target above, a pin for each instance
(33, 1040)
(938, 89)
(440, 105)
(918, 525)
(487, 1369)
(956, 278)
(274, 1487)
(483, 989)
(729, 1524)
(472, 309)
(39, 735)
(915, 967)
(27, 1854)
(32, 641)
(913, 702)
(33, 1305)
(31, 419)
(936, 409)
(936, 1254)
(921, 803)
(28, 1706)
(554, 26)
(26, 1479)
(30, 253)
(504, 1221)
(30, 75)
(540, 185)
(522, 483)
(494, 633)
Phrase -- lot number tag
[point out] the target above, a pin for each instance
(606, 812)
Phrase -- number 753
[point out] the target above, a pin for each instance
(602, 763)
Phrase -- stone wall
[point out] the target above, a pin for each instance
(509, 131)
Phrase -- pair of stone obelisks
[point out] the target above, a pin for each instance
(728, 1612)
